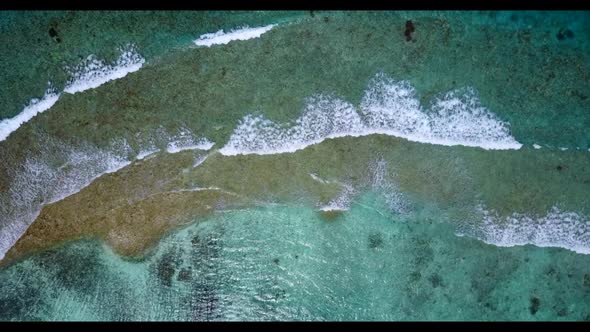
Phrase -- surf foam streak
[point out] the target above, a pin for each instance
(318, 179)
(199, 160)
(146, 153)
(342, 201)
(380, 178)
(185, 140)
(388, 107)
(94, 72)
(35, 106)
(557, 228)
(220, 37)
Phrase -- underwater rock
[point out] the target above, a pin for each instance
(490, 306)
(52, 32)
(409, 30)
(436, 280)
(166, 269)
(205, 305)
(579, 94)
(54, 35)
(564, 33)
(375, 240)
(562, 312)
(75, 269)
(280, 294)
(20, 306)
(185, 274)
(535, 304)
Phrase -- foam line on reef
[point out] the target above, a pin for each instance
(35, 106)
(146, 153)
(93, 72)
(557, 228)
(221, 38)
(185, 140)
(89, 74)
(342, 201)
(388, 107)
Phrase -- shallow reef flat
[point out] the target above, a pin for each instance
(131, 208)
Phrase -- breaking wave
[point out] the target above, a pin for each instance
(388, 107)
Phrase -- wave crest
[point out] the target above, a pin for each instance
(388, 107)
(561, 229)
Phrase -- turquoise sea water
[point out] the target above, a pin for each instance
(283, 262)
(445, 177)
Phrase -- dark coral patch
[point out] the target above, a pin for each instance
(563, 34)
(54, 35)
(185, 274)
(166, 268)
(52, 32)
(435, 280)
(409, 30)
(535, 303)
(375, 240)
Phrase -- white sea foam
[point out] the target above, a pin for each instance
(35, 106)
(185, 140)
(388, 107)
(342, 201)
(318, 179)
(194, 189)
(94, 72)
(89, 74)
(380, 178)
(536, 146)
(220, 37)
(568, 230)
(146, 153)
(39, 182)
(199, 160)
